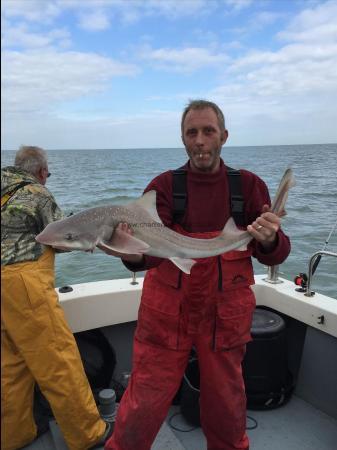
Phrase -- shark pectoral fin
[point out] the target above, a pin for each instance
(125, 243)
(183, 264)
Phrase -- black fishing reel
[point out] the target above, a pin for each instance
(301, 280)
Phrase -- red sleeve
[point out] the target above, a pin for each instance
(277, 255)
(255, 193)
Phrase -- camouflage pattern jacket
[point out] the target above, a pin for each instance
(25, 215)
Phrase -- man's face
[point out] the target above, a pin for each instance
(203, 139)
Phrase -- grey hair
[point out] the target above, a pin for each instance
(31, 159)
(203, 104)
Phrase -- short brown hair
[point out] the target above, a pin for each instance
(203, 104)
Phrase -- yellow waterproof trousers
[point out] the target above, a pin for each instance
(38, 345)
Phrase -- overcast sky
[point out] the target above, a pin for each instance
(117, 73)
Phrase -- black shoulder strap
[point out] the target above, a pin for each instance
(179, 189)
(236, 197)
(9, 195)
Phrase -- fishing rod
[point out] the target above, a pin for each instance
(314, 267)
(302, 279)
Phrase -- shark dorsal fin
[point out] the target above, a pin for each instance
(148, 202)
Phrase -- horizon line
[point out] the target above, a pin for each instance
(168, 148)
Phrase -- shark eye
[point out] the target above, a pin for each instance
(69, 237)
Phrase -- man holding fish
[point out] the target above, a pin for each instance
(209, 309)
(196, 291)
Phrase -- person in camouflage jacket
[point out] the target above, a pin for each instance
(37, 345)
(25, 214)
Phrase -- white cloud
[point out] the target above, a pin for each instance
(294, 86)
(265, 18)
(308, 19)
(39, 80)
(23, 37)
(31, 10)
(174, 9)
(186, 59)
(127, 11)
(307, 64)
(237, 5)
(95, 21)
(315, 26)
(281, 94)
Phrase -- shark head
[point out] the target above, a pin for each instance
(68, 234)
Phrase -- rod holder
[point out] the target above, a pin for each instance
(272, 276)
(134, 280)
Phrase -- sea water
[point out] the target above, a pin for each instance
(86, 178)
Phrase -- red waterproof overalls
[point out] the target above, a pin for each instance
(210, 309)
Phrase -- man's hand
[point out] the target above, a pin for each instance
(264, 229)
(133, 259)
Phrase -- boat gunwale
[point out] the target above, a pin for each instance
(111, 302)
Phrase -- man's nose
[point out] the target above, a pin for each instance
(199, 138)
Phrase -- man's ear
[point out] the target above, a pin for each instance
(39, 175)
(224, 136)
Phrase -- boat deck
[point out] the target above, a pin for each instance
(297, 425)
(294, 426)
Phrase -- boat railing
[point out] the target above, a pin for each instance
(273, 272)
(313, 259)
(271, 278)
